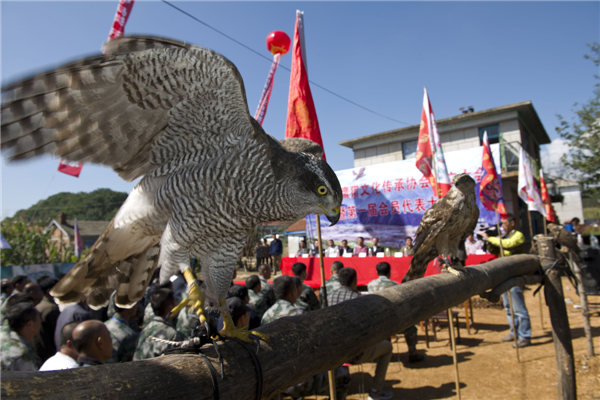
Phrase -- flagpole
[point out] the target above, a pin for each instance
(448, 311)
(323, 297)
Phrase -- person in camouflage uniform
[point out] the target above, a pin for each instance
(383, 282)
(308, 295)
(410, 334)
(163, 301)
(124, 339)
(300, 288)
(187, 319)
(264, 273)
(16, 350)
(257, 300)
(285, 290)
(333, 283)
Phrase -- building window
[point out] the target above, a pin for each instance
(409, 149)
(493, 132)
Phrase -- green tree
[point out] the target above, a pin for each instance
(99, 205)
(30, 245)
(583, 134)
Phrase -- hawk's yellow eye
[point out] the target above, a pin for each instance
(322, 190)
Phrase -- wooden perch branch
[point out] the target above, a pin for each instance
(301, 346)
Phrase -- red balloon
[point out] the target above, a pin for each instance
(278, 42)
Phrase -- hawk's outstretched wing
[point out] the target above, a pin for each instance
(129, 109)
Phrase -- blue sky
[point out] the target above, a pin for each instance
(380, 55)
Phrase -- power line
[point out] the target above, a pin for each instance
(280, 66)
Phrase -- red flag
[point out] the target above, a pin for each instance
(72, 168)
(302, 116)
(118, 27)
(490, 188)
(428, 147)
(551, 215)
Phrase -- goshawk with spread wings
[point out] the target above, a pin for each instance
(176, 115)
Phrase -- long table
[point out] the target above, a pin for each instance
(365, 267)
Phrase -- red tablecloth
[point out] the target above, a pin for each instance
(365, 267)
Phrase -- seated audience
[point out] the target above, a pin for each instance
(241, 292)
(7, 289)
(408, 249)
(34, 290)
(256, 298)
(264, 274)
(345, 249)
(76, 312)
(93, 343)
(162, 301)
(240, 313)
(380, 353)
(332, 249)
(361, 247)
(19, 283)
(66, 357)
(285, 291)
(124, 339)
(308, 295)
(16, 347)
(383, 282)
(49, 312)
(332, 284)
(299, 303)
(376, 247)
(472, 245)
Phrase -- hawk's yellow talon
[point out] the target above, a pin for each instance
(229, 329)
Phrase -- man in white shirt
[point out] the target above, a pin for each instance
(332, 250)
(66, 357)
(472, 245)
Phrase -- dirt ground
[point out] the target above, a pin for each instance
(488, 368)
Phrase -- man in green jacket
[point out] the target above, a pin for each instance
(513, 242)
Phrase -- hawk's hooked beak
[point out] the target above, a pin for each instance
(332, 215)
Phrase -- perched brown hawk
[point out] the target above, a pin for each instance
(445, 225)
(566, 239)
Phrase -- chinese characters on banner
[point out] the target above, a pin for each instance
(388, 200)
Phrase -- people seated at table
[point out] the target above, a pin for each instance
(285, 291)
(332, 249)
(384, 271)
(307, 295)
(361, 247)
(407, 249)
(381, 353)
(315, 249)
(257, 299)
(376, 247)
(345, 249)
(473, 245)
(333, 283)
(304, 250)
(264, 273)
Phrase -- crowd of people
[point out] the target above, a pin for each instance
(334, 250)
